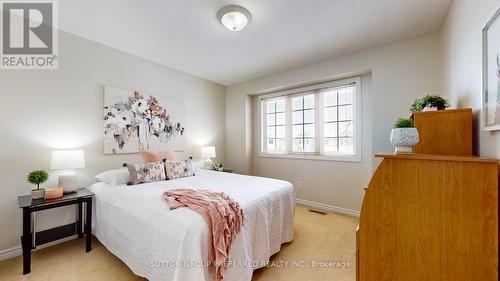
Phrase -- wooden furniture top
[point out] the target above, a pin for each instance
(25, 201)
(442, 111)
(436, 157)
(444, 132)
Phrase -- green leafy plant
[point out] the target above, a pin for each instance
(404, 123)
(430, 100)
(37, 177)
(218, 166)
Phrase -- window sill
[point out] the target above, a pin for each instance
(337, 158)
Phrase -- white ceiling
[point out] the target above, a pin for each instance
(283, 34)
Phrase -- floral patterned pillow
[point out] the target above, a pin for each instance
(147, 172)
(178, 169)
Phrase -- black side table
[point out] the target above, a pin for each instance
(30, 238)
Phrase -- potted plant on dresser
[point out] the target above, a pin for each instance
(429, 103)
(38, 177)
(404, 136)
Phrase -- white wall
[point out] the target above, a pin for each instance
(462, 54)
(395, 75)
(44, 110)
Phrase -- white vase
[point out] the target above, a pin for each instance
(429, 108)
(403, 139)
(37, 193)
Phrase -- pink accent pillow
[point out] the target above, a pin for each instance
(149, 156)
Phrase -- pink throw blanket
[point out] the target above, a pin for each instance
(223, 216)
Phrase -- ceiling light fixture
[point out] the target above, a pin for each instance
(234, 17)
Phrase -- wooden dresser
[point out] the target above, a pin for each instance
(429, 217)
(444, 132)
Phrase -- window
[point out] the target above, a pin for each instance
(338, 121)
(318, 122)
(275, 125)
(303, 123)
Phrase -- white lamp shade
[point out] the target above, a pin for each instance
(67, 159)
(208, 152)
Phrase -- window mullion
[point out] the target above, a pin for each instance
(288, 124)
(303, 126)
(275, 126)
(318, 123)
(338, 124)
(263, 130)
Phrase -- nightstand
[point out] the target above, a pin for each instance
(223, 171)
(31, 238)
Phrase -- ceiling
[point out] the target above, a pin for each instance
(283, 34)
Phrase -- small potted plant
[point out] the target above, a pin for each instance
(37, 177)
(429, 103)
(404, 136)
(218, 166)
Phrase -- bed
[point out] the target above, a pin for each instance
(160, 244)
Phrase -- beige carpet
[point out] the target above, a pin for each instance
(318, 238)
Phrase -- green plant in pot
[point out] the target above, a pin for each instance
(37, 177)
(404, 136)
(429, 103)
(218, 166)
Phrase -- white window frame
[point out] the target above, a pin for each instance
(318, 121)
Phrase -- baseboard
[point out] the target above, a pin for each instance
(327, 208)
(11, 253)
(17, 251)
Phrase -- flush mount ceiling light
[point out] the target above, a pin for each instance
(234, 17)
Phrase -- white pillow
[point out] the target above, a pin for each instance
(114, 177)
(196, 166)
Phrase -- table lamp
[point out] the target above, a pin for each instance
(66, 160)
(208, 152)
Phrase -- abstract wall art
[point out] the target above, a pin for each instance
(491, 74)
(135, 121)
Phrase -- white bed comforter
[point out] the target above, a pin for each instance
(171, 245)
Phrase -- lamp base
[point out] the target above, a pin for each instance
(209, 165)
(69, 182)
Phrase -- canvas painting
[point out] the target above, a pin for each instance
(491, 74)
(135, 121)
